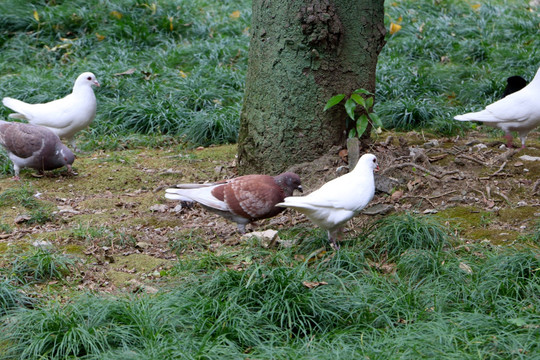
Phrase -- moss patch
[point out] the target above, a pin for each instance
(133, 266)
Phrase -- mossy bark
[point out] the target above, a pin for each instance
(301, 54)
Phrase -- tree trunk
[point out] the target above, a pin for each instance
(302, 52)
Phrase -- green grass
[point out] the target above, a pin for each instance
(449, 58)
(267, 312)
(23, 196)
(190, 60)
(42, 265)
(11, 297)
(394, 235)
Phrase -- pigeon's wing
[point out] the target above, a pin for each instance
(516, 107)
(55, 114)
(202, 195)
(252, 196)
(21, 140)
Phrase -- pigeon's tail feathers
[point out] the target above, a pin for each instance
(172, 196)
(297, 202)
(15, 105)
(201, 195)
(193, 186)
(478, 116)
(17, 116)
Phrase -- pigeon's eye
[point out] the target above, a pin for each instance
(374, 160)
(89, 78)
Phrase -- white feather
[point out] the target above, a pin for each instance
(519, 111)
(337, 201)
(65, 116)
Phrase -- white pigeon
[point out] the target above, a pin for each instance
(337, 201)
(34, 146)
(66, 116)
(519, 111)
(243, 199)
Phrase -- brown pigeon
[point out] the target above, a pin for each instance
(243, 199)
(35, 147)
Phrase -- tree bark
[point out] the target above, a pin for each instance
(302, 52)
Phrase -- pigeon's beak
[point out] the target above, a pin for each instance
(377, 168)
(299, 188)
(96, 83)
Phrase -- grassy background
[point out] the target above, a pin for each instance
(406, 287)
(190, 61)
(191, 56)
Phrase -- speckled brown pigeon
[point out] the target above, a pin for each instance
(243, 199)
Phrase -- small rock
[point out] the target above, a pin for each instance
(529, 158)
(378, 209)
(143, 245)
(430, 211)
(159, 208)
(385, 184)
(430, 144)
(518, 164)
(42, 244)
(522, 203)
(177, 208)
(480, 146)
(62, 209)
(22, 218)
(267, 238)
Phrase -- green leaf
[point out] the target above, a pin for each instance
(361, 125)
(334, 100)
(362, 91)
(376, 120)
(352, 133)
(350, 106)
(359, 100)
(369, 103)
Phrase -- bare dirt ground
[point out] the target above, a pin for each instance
(115, 217)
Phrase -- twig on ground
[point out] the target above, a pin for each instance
(471, 159)
(418, 196)
(500, 169)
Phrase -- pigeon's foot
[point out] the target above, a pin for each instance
(16, 178)
(241, 229)
(509, 139)
(70, 171)
(333, 243)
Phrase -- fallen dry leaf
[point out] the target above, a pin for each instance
(313, 284)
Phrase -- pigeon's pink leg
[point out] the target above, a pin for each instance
(509, 139)
(334, 238)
